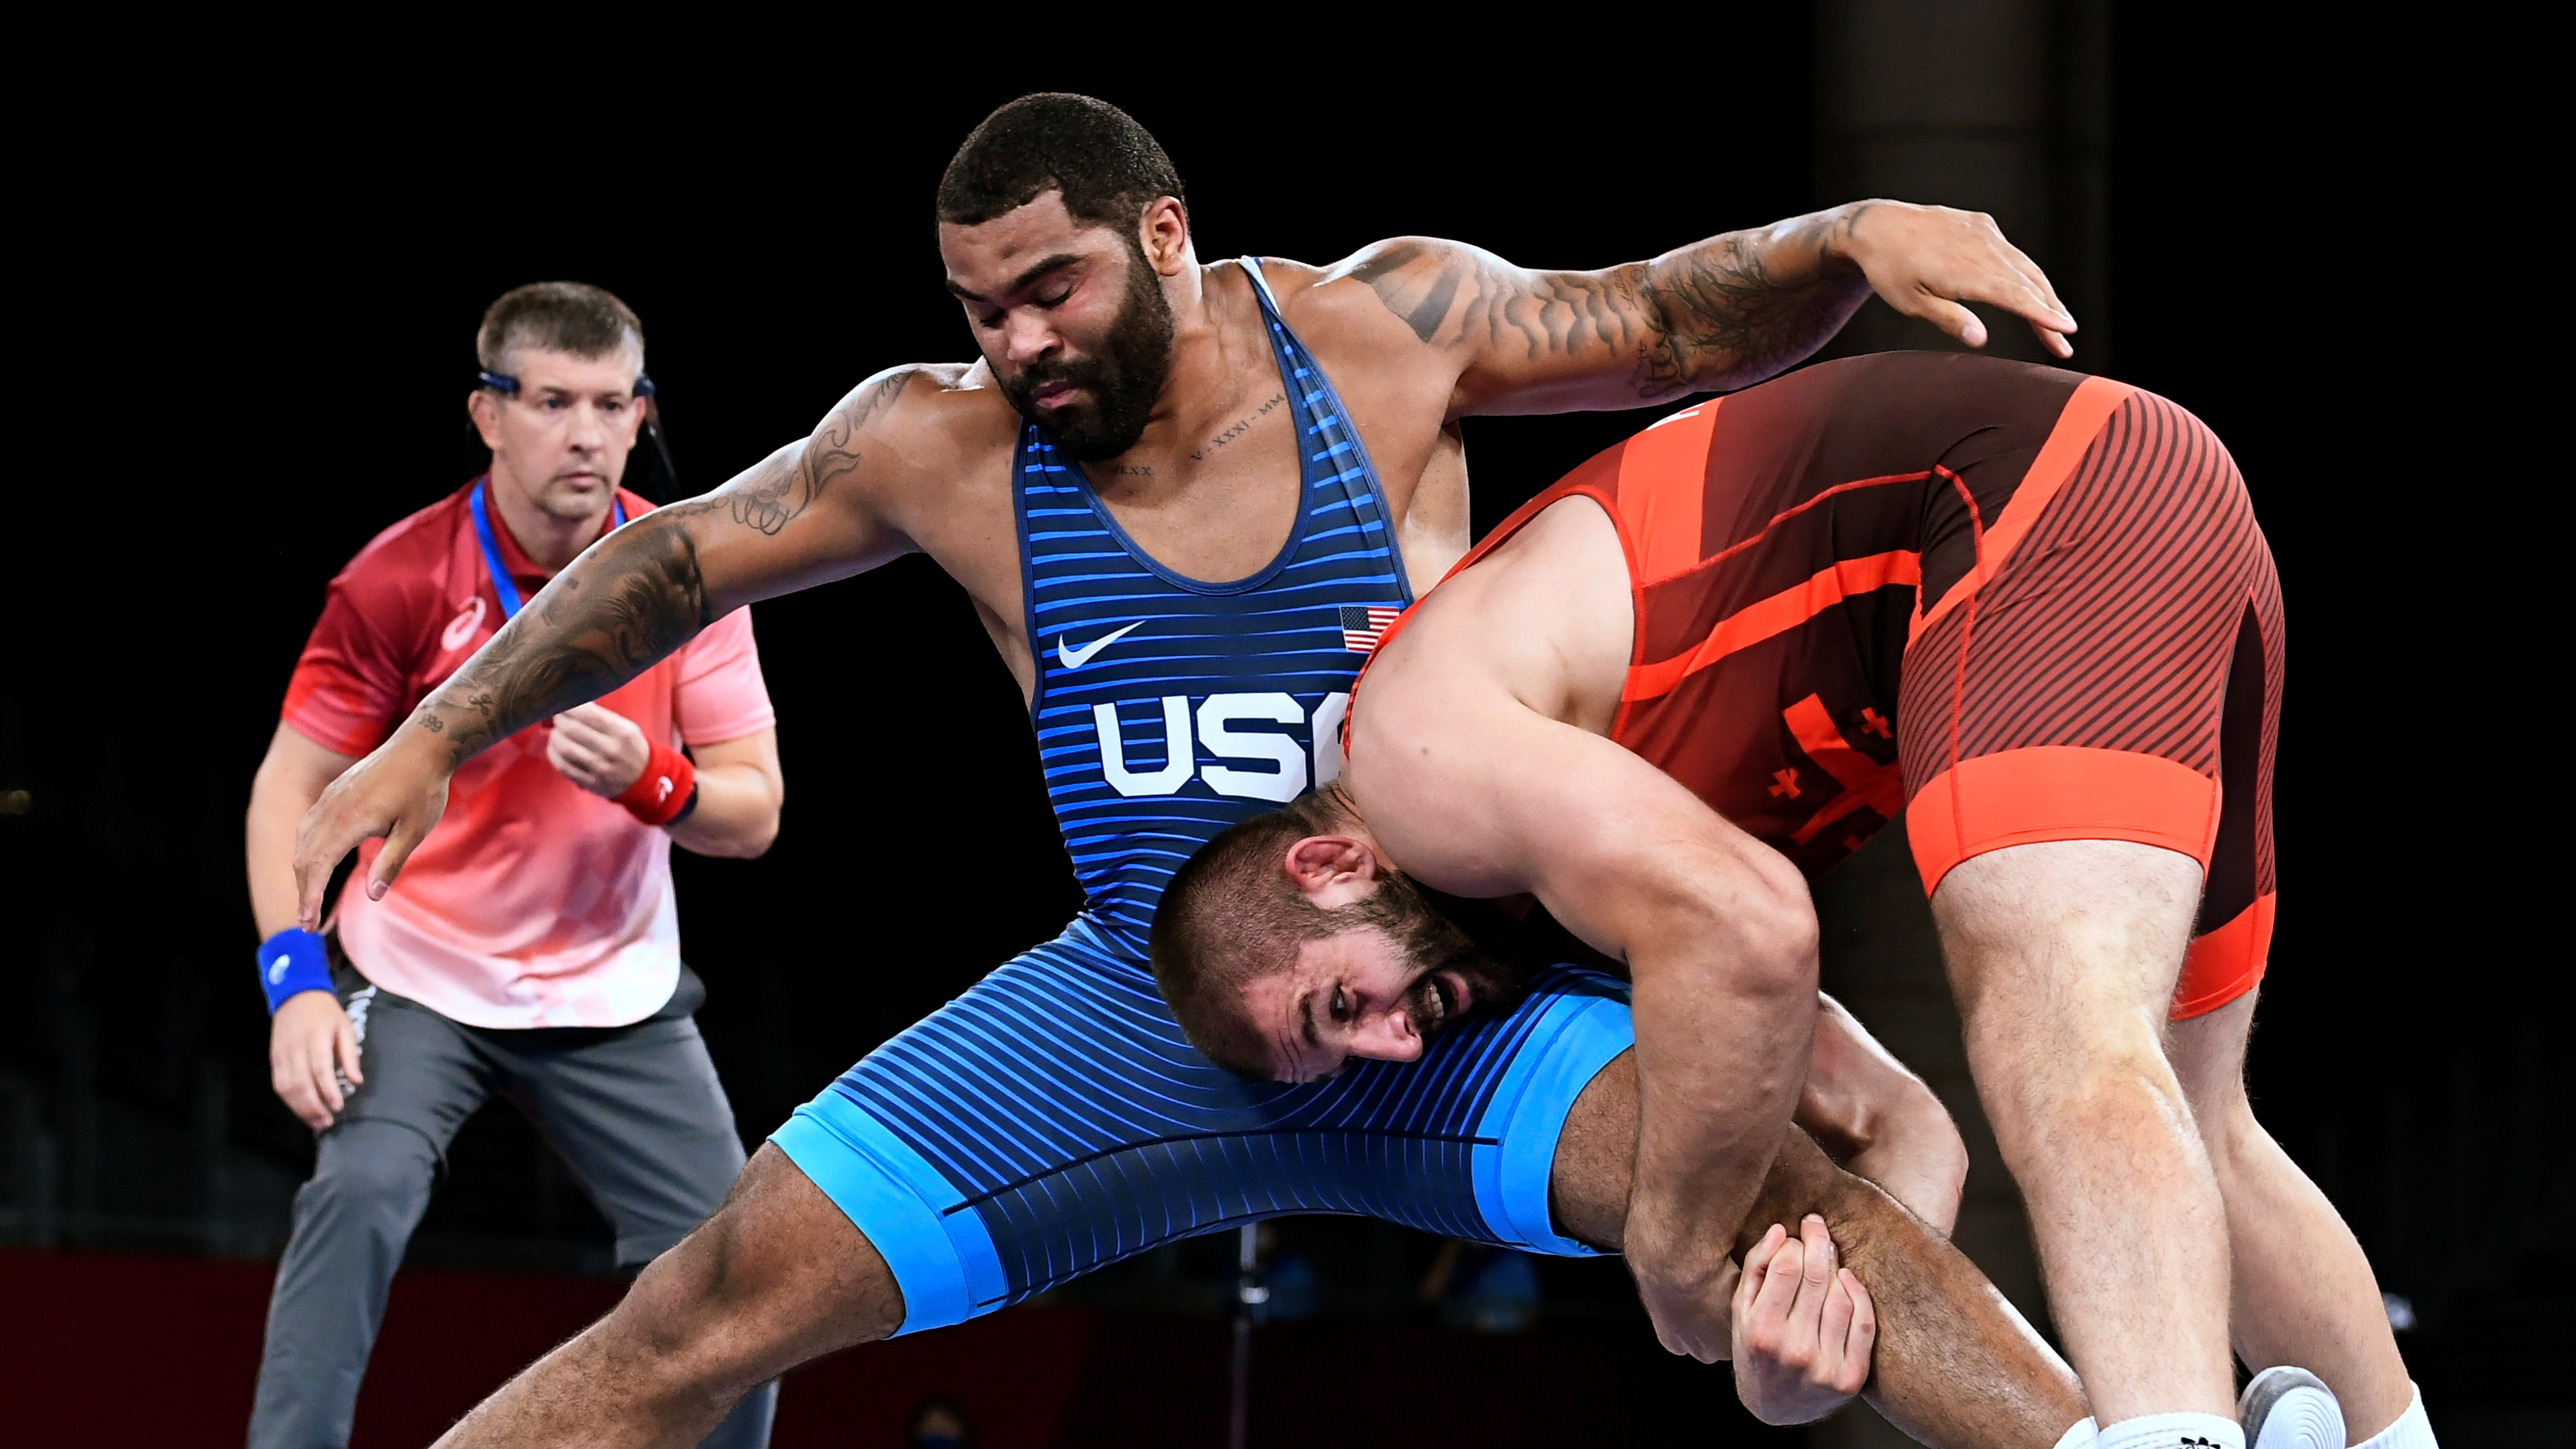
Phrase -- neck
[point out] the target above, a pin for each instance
(548, 541)
(1207, 368)
(1344, 814)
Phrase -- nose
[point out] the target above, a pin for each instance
(1027, 336)
(588, 430)
(1385, 1035)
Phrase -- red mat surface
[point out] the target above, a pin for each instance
(113, 1351)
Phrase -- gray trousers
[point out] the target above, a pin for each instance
(635, 1111)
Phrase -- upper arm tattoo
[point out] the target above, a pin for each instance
(1707, 316)
(768, 503)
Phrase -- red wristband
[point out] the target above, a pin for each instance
(662, 791)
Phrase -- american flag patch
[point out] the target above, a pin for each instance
(1362, 628)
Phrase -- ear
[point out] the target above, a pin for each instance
(485, 410)
(1334, 870)
(1164, 232)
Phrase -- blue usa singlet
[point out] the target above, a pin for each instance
(1168, 708)
(1053, 1118)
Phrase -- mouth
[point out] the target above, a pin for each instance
(1052, 394)
(1444, 997)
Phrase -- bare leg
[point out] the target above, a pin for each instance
(777, 1277)
(1955, 1365)
(2304, 1294)
(2064, 956)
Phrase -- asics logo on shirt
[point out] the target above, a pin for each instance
(1214, 720)
(462, 627)
(1074, 656)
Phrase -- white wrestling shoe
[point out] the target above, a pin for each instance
(2290, 1408)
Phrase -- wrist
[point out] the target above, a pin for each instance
(291, 962)
(665, 791)
(686, 810)
(1838, 232)
(427, 741)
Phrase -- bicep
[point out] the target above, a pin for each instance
(1497, 799)
(1563, 341)
(296, 768)
(757, 751)
(1520, 339)
(804, 514)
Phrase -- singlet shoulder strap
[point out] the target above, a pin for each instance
(1252, 268)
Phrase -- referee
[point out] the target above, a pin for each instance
(532, 948)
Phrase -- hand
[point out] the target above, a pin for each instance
(1804, 1327)
(598, 749)
(1685, 1286)
(1926, 260)
(397, 793)
(311, 1045)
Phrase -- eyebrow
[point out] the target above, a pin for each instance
(1306, 1014)
(1024, 280)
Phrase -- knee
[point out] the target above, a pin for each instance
(725, 1309)
(371, 1168)
(2090, 1078)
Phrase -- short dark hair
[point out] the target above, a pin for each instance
(573, 317)
(1231, 915)
(1108, 167)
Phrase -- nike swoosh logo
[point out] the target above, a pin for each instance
(1076, 658)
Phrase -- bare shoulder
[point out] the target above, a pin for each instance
(1409, 287)
(1546, 616)
(921, 404)
(920, 424)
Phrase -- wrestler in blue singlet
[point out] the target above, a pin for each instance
(1052, 1119)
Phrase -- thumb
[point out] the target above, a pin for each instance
(346, 1039)
(400, 842)
(1864, 1324)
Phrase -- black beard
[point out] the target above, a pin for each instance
(1124, 379)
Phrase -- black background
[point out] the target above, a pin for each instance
(245, 348)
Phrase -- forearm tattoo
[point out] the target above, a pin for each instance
(636, 596)
(619, 609)
(1727, 312)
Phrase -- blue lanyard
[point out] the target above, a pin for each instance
(501, 585)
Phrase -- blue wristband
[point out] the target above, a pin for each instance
(292, 961)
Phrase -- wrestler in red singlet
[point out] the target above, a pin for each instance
(2015, 603)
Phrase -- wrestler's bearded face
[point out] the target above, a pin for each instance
(1391, 974)
(1096, 402)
